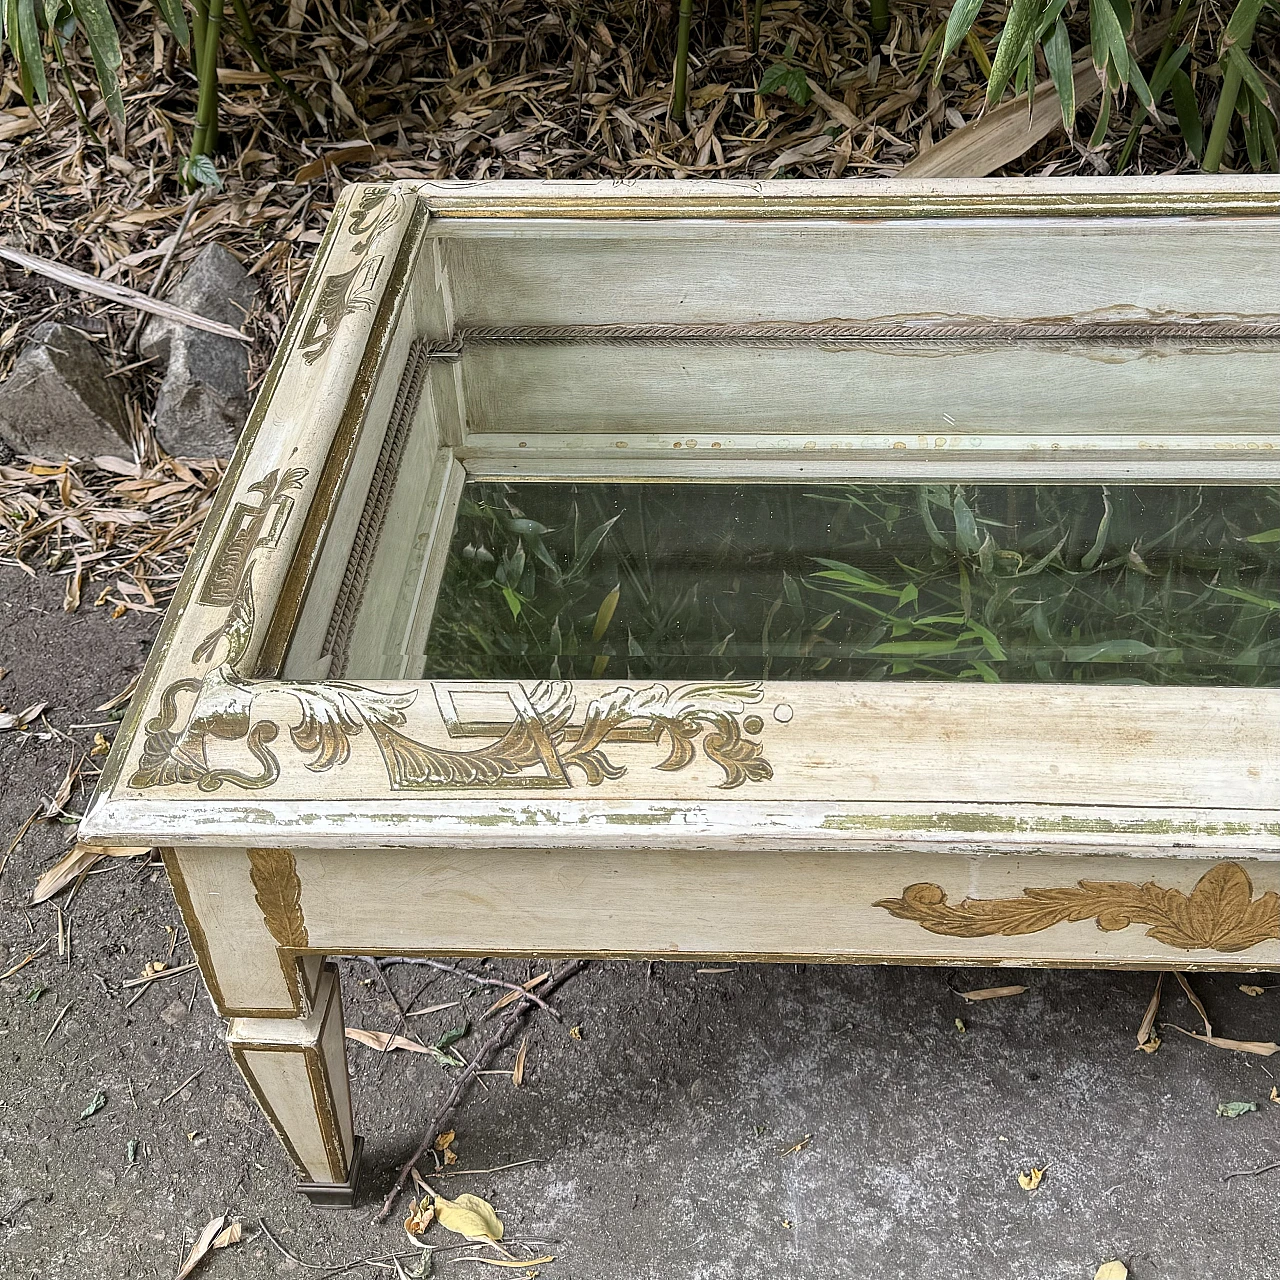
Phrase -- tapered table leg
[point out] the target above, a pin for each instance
(297, 1070)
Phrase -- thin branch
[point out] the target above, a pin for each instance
(505, 1030)
(116, 292)
(474, 977)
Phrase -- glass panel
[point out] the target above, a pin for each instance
(1082, 583)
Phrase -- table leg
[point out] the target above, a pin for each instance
(297, 1070)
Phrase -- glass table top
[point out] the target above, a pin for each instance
(1083, 583)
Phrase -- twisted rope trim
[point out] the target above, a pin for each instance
(792, 334)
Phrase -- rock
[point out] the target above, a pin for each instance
(204, 398)
(58, 401)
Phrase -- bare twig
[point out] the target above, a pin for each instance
(474, 977)
(333, 1269)
(116, 292)
(504, 1031)
(173, 1093)
(158, 975)
(1250, 1173)
(162, 272)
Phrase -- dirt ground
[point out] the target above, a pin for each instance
(763, 1120)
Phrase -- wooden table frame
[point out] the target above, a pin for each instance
(445, 331)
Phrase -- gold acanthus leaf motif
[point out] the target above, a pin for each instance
(1219, 914)
(278, 893)
(538, 749)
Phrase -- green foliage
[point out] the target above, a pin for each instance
(785, 77)
(33, 28)
(1035, 33)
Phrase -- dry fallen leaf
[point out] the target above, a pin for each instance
(517, 1072)
(1112, 1271)
(382, 1040)
(468, 1216)
(80, 858)
(1263, 1048)
(1030, 1181)
(1251, 990)
(575, 1033)
(1148, 1042)
(20, 719)
(515, 1262)
(218, 1233)
(990, 993)
(421, 1215)
(512, 996)
(445, 1139)
(1274, 1095)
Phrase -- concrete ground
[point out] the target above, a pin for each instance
(768, 1120)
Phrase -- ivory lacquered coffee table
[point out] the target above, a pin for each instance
(827, 571)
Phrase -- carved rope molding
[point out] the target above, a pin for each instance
(1219, 914)
(538, 748)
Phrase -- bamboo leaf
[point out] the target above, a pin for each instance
(604, 615)
(1018, 29)
(1187, 109)
(30, 35)
(176, 20)
(1057, 54)
(1236, 57)
(104, 47)
(962, 16)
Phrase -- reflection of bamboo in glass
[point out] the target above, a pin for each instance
(1159, 584)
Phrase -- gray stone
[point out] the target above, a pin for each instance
(58, 401)
(204, 397)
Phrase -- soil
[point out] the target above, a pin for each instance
(729, 1121)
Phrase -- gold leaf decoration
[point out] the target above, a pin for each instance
(1219, 914)
(278, 893)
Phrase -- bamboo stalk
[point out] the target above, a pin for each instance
(248, 38)
(682, 58)
(1226, 107)
(206, 132)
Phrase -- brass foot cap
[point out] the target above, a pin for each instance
(337, 1195)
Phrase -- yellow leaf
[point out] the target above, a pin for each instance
(1275, 1095)
(468, 1216)
(1030, 1181)
(1251, 990)
(445, 1140)
(516, 1263)
(1112, 1271)
(421, 1213)
(1151, 1045)
(575, 1033)
(960, 1025)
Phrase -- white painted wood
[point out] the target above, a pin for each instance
(1182, 194)
(297, 1070)
(237, 953)
(559, 271)
(693, 904)
(531, 396)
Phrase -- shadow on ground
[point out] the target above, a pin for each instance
(798, 1121)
